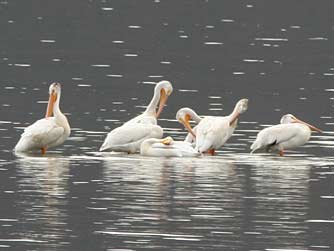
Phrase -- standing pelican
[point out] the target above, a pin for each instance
(129, 136)
(167, 147)
(48, 132)
(290, 133)
(184, 115)
(213, 131)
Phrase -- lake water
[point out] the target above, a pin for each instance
(108, 55)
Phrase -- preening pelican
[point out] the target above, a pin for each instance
(213, 131)
(167, 147)
(290, 133)
(184, 115)
(162, 91)
(129, 136)
(48, 132)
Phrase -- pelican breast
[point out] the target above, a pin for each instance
(43, 133)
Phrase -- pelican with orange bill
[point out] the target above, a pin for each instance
(184, 115)
(290, 133)
(129, 136)
(212, 132)
(48, 132)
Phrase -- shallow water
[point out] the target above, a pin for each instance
(108, 55)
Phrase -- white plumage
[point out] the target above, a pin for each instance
(48, 132)
(291, 133)
(145, 118)
(184, 115)
(129, 136)
(190, 138)
(167, 147)
(213, 131)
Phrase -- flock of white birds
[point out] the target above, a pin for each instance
(143, 134)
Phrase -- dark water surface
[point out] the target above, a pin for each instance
(108, 55)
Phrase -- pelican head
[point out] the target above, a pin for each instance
(242, 106)
(54, 88)
(54, 93)
(164, 89)
(184, 115)
(239, 108)
(167, 141)
(289, 118)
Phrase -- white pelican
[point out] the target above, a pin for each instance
(167, 147)
(213, 131)
(290, 133)
(48, 132)
(184, 115)
(129, 136)
(162, 91)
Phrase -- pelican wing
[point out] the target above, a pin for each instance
(42, 133)
(212, 132)
(126, 136)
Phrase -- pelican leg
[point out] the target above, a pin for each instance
(281, 153)
(43, 150)
(212, 152)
